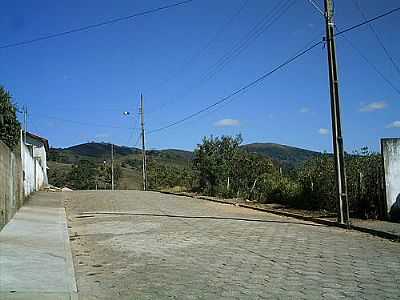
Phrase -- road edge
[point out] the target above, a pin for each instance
(378, 233)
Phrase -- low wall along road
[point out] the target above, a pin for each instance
(20, 175)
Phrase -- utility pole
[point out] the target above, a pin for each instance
(143, 144)
(112, 166)
(343, 204)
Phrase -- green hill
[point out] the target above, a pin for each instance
(130, 159)
(287, 156)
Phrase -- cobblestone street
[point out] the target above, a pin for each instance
(146, 245)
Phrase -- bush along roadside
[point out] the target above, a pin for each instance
(221, 168)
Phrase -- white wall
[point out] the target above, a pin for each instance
(391, 161)
(28, 167)
(34, 168)
(39, 153)
(39, 176)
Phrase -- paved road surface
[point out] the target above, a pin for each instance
(169, 247)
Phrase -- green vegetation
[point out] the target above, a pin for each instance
(84, 175)
(286, 156)
(364, 181)
(225, 169)
(127, 162)
(9, 124)
(221, 166)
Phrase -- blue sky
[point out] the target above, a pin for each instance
(76, 87)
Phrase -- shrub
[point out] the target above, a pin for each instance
(9, 124)
(274, 188)
(364, 183)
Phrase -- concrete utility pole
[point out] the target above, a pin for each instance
(343, 204)
(112, 166)
(143, 144)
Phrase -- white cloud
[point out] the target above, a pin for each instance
(395, 124)
(373, 106)
(323, 131)
(227, 122)
(304, 110)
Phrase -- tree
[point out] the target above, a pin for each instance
(213, 161)
(9, 124)
(228, 170)
(83, 175)
(162, 176)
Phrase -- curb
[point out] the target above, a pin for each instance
(379, 233)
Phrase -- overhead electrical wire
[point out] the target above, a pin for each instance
(81, 123)
(96, 25)
(317, 38)
(264, 76)
(365, 58)
(236, 92)
(189, 62)
(215, 36)
(264, 24)
(378, 38)
(132, 134)
(260, 27)
(368, 21)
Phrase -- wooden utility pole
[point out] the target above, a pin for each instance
(143, 144)
(112, 166)
(343, 204)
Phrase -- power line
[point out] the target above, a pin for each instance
(82, 123)
(217, 34)
(265, 23)
(137, 140)
(368, 21)
(132, 134)
(242, 89)
(230, 100)
(96, 25)
(189, 62)
(357, 5)
(365, 58)
(362, 55)
(260, 27)
(261, 78)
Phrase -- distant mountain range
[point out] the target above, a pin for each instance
(285, 155)
(62, 159)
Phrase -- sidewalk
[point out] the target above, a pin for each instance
(35, 254)
(384, 229)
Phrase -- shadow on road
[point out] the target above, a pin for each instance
(92, 214)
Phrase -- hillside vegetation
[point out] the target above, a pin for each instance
(161, 163)
(268, 173)
(127, 161)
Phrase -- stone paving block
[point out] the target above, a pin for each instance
(210, 258)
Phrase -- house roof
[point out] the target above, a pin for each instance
(39, 138)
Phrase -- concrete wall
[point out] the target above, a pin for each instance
(29, 169)
(21, 173)
(391, 162)
(34, 166)
(39, 153)
(11, 185)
